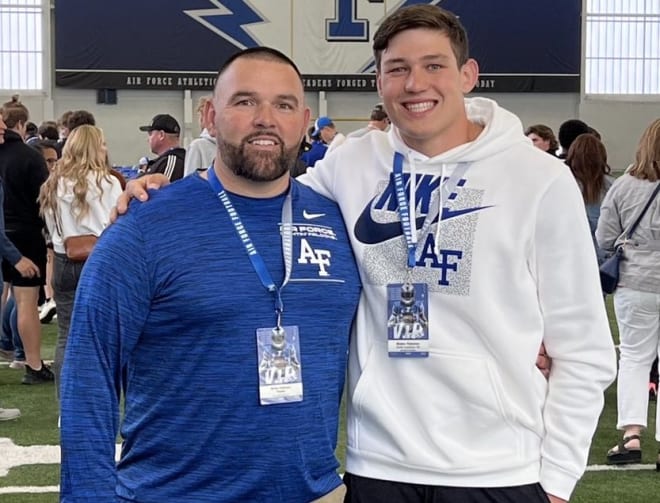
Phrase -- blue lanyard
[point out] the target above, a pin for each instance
(434, 208)
(404, 210)
(255, 258)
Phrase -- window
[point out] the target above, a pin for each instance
(21, 45)
(622, 47)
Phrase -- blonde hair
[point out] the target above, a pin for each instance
(202, 104)
(647, 157)
(83, 153)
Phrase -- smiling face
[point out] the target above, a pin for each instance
(259, 117)
(423, 90)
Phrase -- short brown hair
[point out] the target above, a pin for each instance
(14, 112)
(430, 17)
(544, 132)
(647, 157)
(80, 118)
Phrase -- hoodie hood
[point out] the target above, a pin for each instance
(206, 135)
(501, 130)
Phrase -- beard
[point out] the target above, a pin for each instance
(257, 166)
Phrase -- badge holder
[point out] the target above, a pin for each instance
(407, 325)
(280, 372)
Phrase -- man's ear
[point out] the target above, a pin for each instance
(209, 117)
(306, 116)
(469, 75)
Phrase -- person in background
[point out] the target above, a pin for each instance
(75, 200)
(543, 137)
(326, 131)
(31, 133)
(201, 151)
(637, 297)
(316, 151)
(378, 121)
(164, 132)
(23, 265)
(63, 129)
(568, 132)
(587, 159)
(48, 309)
(23, 170)
(48, 131)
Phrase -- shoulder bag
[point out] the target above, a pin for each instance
(609, 270)
(78, 248)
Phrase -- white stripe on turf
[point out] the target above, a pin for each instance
(15, 455)
(605, 468)
(29, 489)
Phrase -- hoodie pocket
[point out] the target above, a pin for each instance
(446, 412)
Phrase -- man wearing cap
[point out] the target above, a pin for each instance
(378, 121)
(325, 138)
(163, 140)
(326, 130)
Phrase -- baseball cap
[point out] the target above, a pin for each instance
(163, 122)
(320, 123)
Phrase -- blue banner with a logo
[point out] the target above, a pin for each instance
(153, 44)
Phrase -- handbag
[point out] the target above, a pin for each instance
(78, 248)
(609, 270)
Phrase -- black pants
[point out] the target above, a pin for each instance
(365, 490)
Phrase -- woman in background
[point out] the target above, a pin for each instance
(587, 159)
(637, 298)
(76, 200)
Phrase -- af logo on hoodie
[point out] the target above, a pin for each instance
(445, 267)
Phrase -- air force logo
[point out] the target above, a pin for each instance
(344, 27)
(445, 264)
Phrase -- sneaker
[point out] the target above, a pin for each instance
(43, 375)
(7, 355)
(17, 365)
(47, 311)
(9, 414)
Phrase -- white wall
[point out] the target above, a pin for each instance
(620, 123)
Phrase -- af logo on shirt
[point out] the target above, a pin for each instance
(309, 233)
(309, 255)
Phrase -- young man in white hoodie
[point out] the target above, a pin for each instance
(492, 235)
(486, 254)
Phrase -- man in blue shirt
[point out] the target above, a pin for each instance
(266, 286)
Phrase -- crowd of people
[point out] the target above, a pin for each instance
(231, 325)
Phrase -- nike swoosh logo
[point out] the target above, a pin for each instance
(312, 216)
(370, 232)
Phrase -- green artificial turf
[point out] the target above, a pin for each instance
(38, 425)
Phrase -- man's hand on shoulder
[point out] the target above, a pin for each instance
(137, 189)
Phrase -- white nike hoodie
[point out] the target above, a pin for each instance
(512, 264)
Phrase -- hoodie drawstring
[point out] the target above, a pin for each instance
(436, 241)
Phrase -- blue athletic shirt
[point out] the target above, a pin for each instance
(167, 308)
